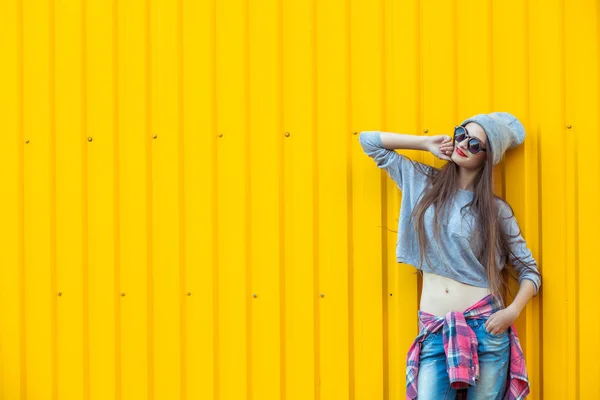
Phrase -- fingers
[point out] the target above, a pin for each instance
(445, 150)
(446, 147)
(495, 331)
(489, 330)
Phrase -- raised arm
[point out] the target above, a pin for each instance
(379, 146)
(404, 141)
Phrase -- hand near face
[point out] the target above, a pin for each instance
(441, 146)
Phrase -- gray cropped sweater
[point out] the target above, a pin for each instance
(456, 259)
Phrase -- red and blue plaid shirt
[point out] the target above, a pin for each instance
(460, 346)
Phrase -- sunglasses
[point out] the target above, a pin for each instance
(474, 145)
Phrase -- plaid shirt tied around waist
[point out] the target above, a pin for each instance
(460, 346)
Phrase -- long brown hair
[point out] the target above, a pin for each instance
(485, 210)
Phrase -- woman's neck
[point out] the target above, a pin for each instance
(466, 179)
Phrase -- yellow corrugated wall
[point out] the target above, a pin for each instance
(187, 212)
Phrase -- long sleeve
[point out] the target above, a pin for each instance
(519, 247)
(397, 166)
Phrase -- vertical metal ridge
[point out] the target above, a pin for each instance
(150, 204)
(597, 54)
(21, 204)
(116, 203)
(455, 60)
(349, 209)
(215, 206)
(577, 336)
(182, 210)
(571, 251)
(52, 209)
(85, 208)
(530, 323)
(533, 323)
(490, 26)
(490, 17)
(247, 207)
(540, 193)
(282, 214)
(384, 214)
(532, 112)
(315, 179)
(577, 354)
(570, 368)
(420, 122)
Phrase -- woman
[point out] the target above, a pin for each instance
(467, 344)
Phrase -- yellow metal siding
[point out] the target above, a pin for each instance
(187, 213)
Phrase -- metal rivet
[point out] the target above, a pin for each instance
(254, 295)
(60, 293)
(154, 136)
(287, 134)
(322, 294)
(90, 139)
(122, 294)
(426, 130)
(569, 126)
(189, 293)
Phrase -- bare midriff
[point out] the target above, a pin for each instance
(440, 294)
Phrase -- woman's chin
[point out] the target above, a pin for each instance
(456, 158)
(462, 161)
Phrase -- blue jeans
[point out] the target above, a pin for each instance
(494, 352)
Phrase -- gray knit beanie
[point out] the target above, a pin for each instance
(504, 131)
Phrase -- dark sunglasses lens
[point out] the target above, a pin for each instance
(474, 146)
(459, 134)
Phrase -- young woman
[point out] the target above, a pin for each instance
(460, 235)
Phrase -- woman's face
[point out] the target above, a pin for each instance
(468, 159)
